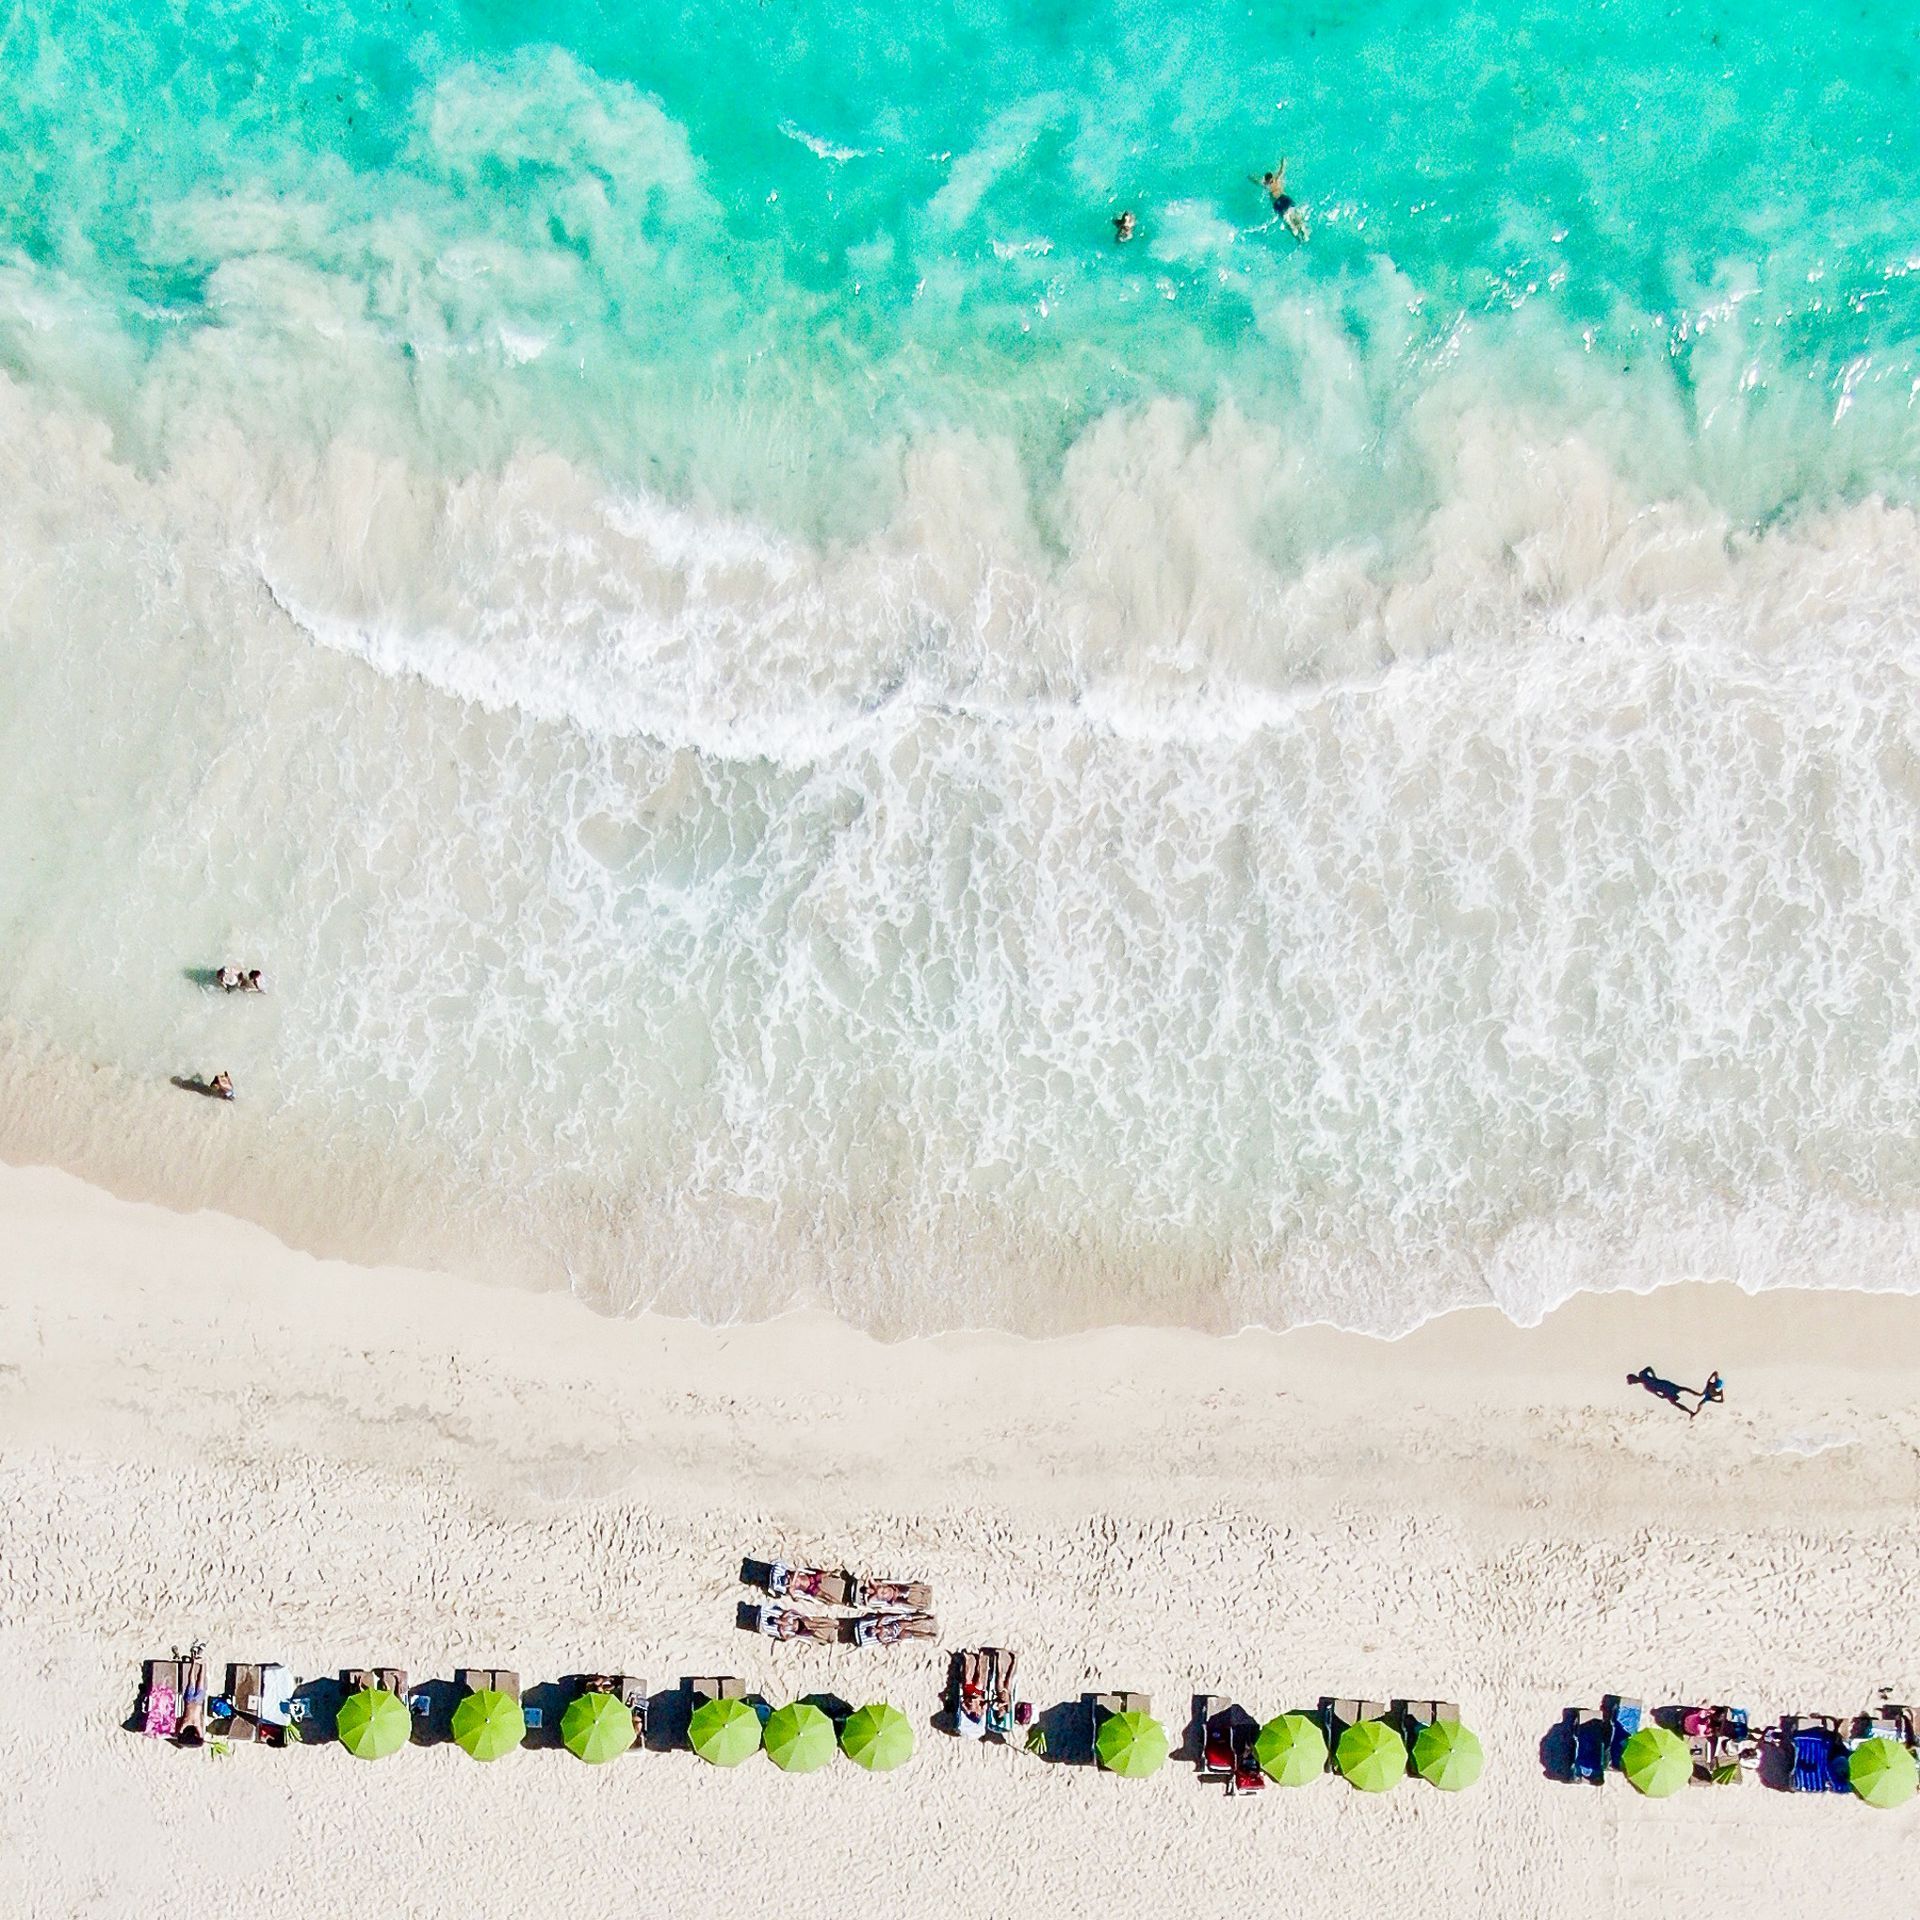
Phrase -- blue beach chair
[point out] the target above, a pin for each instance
(1590, 1740)
(1625, 1718)
(1816, 1761)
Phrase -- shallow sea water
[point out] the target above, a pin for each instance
(791, 722)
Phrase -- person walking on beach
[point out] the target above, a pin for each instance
(1713, 1393)
(1292, 216)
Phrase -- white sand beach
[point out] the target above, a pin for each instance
(203, 1434)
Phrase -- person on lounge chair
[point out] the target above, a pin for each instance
(889, 1629)
(1000, 1691)
(970, 1709)
(912, 1594)
(804, 1583)
(789, 1623)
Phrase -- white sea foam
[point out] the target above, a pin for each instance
(1208, 939)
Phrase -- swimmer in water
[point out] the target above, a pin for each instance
(1284, 204)
(1122, 228)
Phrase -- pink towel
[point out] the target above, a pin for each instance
(163, 1714)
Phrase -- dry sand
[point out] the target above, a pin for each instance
(204, 1434)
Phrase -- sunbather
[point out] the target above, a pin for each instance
(915, 1595)
(1000, 1697)
(889, 1629)
(789, 1623)
(970, 1709)
(806, 1583)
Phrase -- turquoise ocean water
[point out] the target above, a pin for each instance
(793, 722)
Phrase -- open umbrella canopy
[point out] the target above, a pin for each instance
(1656, 1760)
(374, 1723)
(1131, 1744)
(799, 1738)
(1372, 1756)
(1291, 1750)
(1882, 1772)
(878, 1738)
(724, 1731)
(488, 1724)
(1447, 1755)
(597, 1727)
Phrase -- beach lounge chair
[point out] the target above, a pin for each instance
(1214, 1712)
(808, 1583)
(259, 1703)
(972, 1672)
(1819, 1760)
(890, 1629)
(1587, 1760)
(1006, 1711)
(719, 1687)
(914, 1596)
(1249, 1776)
(1624, 1719)
(160, 1699)
(632, 1692)
(789, 1623)
(375, 1680)
(1409, 1716)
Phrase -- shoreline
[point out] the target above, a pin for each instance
(208, 1435)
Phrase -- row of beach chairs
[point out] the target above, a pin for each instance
(1727, 1747)
(1227, 1730)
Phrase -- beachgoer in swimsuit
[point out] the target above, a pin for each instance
(1291, 214)
(253, 983)
(1122, 227)
(230, 979)
(222, 1084)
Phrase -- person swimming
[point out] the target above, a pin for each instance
(1292, 215)
(1122, 227)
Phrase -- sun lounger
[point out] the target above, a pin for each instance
(1006, 1711)
(631, 1691)
(1214, 1711)
(488, 1680)
(808, 1583)
(789, 1623)
(1818, 1757)
(1411, 1715)
(889, 1629)
(913, 1596)
(1249, 1776)
(1624, 1719)
(259, 1703)
(1587, 1757)
(722, 1687)
(375, 1680)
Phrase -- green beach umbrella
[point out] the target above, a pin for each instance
(1291, 1750)
(1656, 1760)
(1447, 1755)
(878, 1738)
(1132, 1745)
(1372, 1756)
(596, 1727)
(724, 1731)
(799, 1738)
(374, 1723)
(1882, 1772)
(488, 1724)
